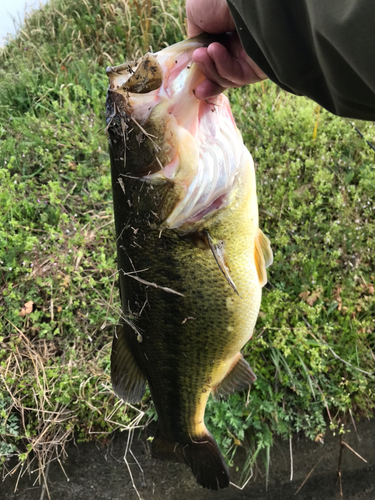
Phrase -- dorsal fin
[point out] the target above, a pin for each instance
(263, 256)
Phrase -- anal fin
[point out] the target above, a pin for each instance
(201, 454)
(238, 378)
(128, 380)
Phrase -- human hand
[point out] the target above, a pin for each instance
(223, 66)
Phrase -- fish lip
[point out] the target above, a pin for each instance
(145, 74)
(139, 77)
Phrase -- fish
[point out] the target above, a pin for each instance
(191, 257)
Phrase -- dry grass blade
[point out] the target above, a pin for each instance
(309, 474)
(27, 362)
(45, 483)
(353, 451)
(127, 450)
(119, 313)
(339, 475)
(339, 468)
(149, 136)
(340, 359)
(165, 288)
(291, 458)
(245, 483)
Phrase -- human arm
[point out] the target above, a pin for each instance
(323, 50)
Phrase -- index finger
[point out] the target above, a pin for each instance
(192, 29)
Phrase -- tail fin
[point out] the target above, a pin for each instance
(201, 454)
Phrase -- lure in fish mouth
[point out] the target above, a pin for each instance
(192, 259)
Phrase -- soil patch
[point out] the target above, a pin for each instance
(97, 471)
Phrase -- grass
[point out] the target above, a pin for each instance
(313, 348)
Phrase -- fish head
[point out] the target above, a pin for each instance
(191, 147)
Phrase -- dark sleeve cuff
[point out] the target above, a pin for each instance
(323, 50)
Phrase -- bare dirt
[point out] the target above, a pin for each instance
(98, 472)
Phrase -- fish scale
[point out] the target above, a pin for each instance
(190, 279)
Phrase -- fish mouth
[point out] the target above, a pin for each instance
(192, 145)
(165, 75)
(140, 77)
(146, 74)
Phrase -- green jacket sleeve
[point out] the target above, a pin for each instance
(323, 49)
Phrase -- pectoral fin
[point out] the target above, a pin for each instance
(218, 253)
(128, 380)
(263, 256)
(238, 378)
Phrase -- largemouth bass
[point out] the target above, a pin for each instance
(192, 260)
